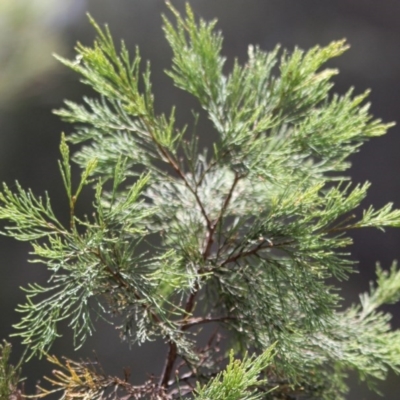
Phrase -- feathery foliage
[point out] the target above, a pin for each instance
(243, 237)
(9, 375)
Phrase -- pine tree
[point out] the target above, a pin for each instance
(244, 236)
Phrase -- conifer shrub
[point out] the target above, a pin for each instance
(244, 236)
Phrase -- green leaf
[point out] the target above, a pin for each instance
(240, 380)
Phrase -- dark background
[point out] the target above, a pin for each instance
(29, 133)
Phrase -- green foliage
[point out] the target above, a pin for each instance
(244, 236)
(239, 380)
(9, 375)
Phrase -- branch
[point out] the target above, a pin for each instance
(211, 231)
(172, 352)
(178, 170)
(190, 304)
(120, 280)
(211, 165)
(265, 244)
(169, 363)
(198, 321)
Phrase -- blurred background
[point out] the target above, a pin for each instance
(32, 83)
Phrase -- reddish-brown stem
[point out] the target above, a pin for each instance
(120, 280)
(211, 231)
(261, 246)
(178, 170)
(211, 226)
(169, 364)
(341, 225)
(172, 352)
(199, 321)
(247, 253)
(190, 302)
(210, 166)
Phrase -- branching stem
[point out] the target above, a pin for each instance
(191, 301)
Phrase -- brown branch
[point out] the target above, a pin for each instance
(172, 352)
(265, 244)
(190, 304)
(229, 197)
(120, 280)
(214, 225)
(246, 253)
(169, 364)
(178, 170)
(191, 301)
(198, 321)
(341, 225)
(211, 165)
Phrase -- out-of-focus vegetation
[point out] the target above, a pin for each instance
(29, 34)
